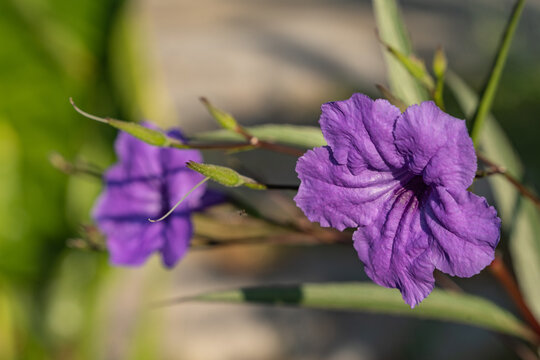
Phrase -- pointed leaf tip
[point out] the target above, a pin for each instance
(224, 119)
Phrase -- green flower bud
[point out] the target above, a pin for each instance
(439, 63)
(225, 176)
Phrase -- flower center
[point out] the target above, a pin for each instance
(414, 187)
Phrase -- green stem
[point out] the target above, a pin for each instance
(488, 93)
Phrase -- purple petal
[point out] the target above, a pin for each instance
(178, 232)
(145, 183)
(173, 159)
(359, 131)
(179, 179)
(137, 159)
(121, 199)
(465, 231)
(331, 195)
(436, 146)
(133, 185)
(395, 248)
(132, 241)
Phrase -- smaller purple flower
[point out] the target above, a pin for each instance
(401, 181)
(146, 182)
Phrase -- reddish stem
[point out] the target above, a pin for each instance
(503, 275)
(254, 141)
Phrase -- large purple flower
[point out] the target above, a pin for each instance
(145, 183)
(401, 180)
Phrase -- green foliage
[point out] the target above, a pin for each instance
(440, 305)
(150, 136)
(488, 93)
(525, 248)
(392, 31)
(414, 67)
(50, 51)
(302, 136)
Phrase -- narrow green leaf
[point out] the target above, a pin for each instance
(392, 32)
(150, 136)
(525, 249)
(440, 305)
(302, 136)
(414, 66)
(488, 93)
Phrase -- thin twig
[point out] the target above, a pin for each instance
(75, 168)
(231, 124)
(523, 190)
(218, 146)
(281, 187)
(284, 149)
(262, 144)
(88, 115)
(293, 239)
(493, 170)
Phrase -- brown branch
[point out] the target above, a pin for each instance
(488, 172)
(284, 149)
(523, 190)
(223, 146)
(262, 144)
(228, 122)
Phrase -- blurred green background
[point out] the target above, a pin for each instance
(50, 50)
(98, 52)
